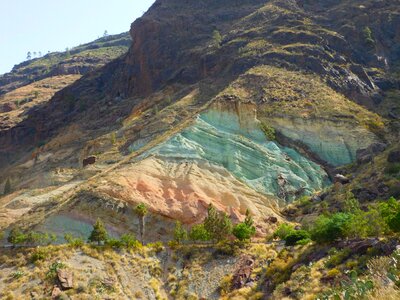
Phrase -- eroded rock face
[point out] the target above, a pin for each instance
(229, 136)
(366, 155)
(334, 142)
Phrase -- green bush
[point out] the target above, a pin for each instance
(157, 247)
(114, 243)
(38, 254)
(129, 240)
(16, 237)
(390, 213)
(297, 237)
(328, 229)
(73, 242)
(39, 238)
(243, 232)
(283, 231)
(199, 233)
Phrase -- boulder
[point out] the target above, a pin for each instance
(91, 160)
(56, 292)
(7, 107)
(65, 278)
(365, 155)
(243, 272)
(394, 156)
(272, 220)
(339, 178)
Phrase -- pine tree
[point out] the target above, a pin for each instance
(141, 212)
(217, 37)
(29, 55)
(99, 233)
(7, 187)
(217, 224)
(210, 222)
(180, 234)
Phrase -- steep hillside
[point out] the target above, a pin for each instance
(278, 65)
(251, 106)
(78, 60)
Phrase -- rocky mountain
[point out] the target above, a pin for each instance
(242, 104)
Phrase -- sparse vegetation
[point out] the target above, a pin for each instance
(180, 233)
(268, 131)
(368, 37)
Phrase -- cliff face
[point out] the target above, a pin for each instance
(177, 44)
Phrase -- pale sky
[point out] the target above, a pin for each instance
(53, 25)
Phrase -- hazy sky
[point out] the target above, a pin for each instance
(53, 25)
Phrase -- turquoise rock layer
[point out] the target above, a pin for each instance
(334, 142)
(221, 138)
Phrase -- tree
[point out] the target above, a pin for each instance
(199, 233)
(34, 53)
(99, 233)
(217, 224)
(105, 34)
(368, 36)
(7, 187)
(40, 54)
(217, 38)
(29, 55)
(180, 233)
(16, 236)
(141, 212)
